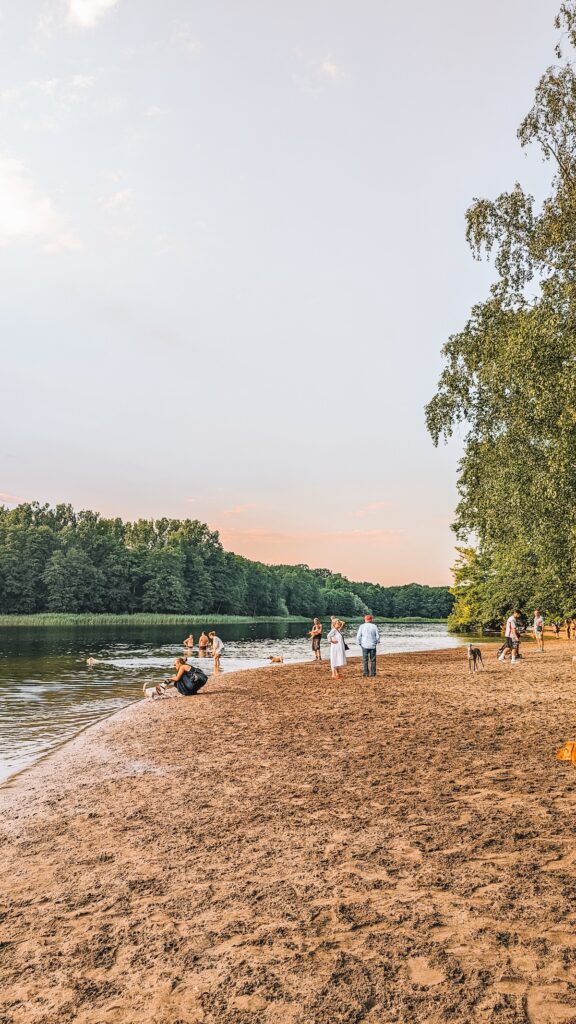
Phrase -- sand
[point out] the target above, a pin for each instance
(287, 850)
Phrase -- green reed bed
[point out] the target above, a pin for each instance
(145, 619)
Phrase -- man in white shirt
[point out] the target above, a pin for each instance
(368, 639)
(511, 639)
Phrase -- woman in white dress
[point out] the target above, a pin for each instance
(337, 650)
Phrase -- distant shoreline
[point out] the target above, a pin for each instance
(144, 619)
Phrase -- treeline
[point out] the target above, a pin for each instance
(59, 560)
(510, 378)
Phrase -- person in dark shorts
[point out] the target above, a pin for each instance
(511, 639)
(316, 634)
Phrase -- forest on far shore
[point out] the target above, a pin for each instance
(54, 559)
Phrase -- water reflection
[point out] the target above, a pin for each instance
(48, 692)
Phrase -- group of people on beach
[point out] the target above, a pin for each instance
(514, 629)
(367, 639)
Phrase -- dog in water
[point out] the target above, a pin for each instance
(152, 692)
(92, 661)
(279, 660)
(475, 659)
(567, 753)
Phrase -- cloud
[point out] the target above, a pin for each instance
(82, 14)
(316, 73)
(154, 111)
(87, 13)
(336, 536)
(328, 68)
(238, 510)
(11, 499)
(121, 200)
(61, 94)
(184, 38)
(372, 506)
(27, 215)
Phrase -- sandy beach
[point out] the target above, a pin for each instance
(289, 850)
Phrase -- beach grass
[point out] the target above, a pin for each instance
(45, 619)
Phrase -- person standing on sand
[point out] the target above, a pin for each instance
(316, 634)
(368, 639)
(217, 648)
(538, 628)
(511, 639)
(337, 648)
(203, 644)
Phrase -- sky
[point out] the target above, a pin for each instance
(231, 248)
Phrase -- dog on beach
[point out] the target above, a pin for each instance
(152, 692)
(475, 659)
(279, 660)
(567, 753)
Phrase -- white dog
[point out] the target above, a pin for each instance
(152, 692)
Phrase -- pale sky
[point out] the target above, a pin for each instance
(231, 247)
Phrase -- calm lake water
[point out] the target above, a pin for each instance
(48, 693)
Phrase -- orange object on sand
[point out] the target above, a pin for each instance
(567, 752)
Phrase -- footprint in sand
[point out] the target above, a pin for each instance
(421, 973)
(542, 1008)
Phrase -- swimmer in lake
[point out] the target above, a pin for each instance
(203, 644)
(189, 641)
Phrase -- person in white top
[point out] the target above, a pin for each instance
(511, 639)
(337, 648)
(217, 648)
(538, 627)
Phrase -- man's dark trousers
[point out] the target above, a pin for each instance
(369, 653)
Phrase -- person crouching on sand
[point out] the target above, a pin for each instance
(337, 648)
(217, 648)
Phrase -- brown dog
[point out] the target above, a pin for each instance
(567, 752)
(277, 661)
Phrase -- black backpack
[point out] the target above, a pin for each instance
(191, 682)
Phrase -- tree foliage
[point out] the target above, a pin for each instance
(509, 378)
(56, 559)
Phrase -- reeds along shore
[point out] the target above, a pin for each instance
(153, 619)
(285, 848)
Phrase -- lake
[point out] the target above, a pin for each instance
(48, 693)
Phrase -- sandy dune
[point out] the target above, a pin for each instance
(288, 850)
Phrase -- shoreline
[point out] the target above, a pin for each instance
(286, 849)
(44, 758)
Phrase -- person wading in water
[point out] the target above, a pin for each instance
(316, 634)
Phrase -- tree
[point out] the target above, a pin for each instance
(510, 378)
(164, 589)
(71, 580)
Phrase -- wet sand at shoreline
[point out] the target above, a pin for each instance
(288, 849)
